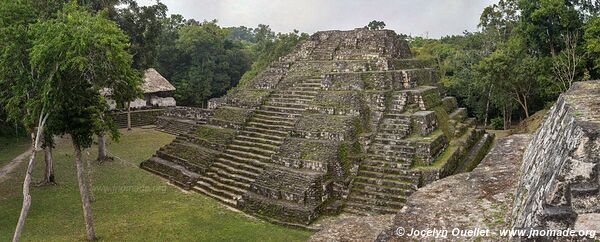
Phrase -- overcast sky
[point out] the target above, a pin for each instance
(432, 18)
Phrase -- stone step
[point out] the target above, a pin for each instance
(267, 113)
(305, 88)
(370, 209)
(176, 173)
(237, 161)
(252, 148)
(262, 135)
(259, 140)
(282, 109)
(312, 83)
(234, 168)
(397, 115)
(264, 146)
(387, 182)
(387, 173)
(206, 190)
(273, 117)
(382, 203)
(394, 159)
(382, 140)
(292, 96)
(400, 136)
(272, 132)
(310, 94)
(401, 198)
(280, 127)
(392, 152)
(404, 190)
(246, 152)
(384, 163)
(272, 121)
(216, 183)
(356, 211)
(218, 172)
(396, 121)
(291, 100)
(244, 184)
(287, 105)
(228, 197)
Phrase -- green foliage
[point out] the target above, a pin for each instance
(498, 123)
(200, 61)
(19, 89)
(592, 40)
(376, 25)
(241, 33)
(76, 55)
(508, 68)
(544, 22)
(143, 25)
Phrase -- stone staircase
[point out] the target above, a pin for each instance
(231, 175)
(384, 179)
(177, 126)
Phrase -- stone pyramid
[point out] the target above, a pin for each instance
(348, 121)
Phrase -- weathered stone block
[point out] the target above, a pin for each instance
(424, 122)
(450, 104)
(559, 175)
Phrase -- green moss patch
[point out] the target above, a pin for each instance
(232, 114)
(315, 150)
(338, 100)
(325, 123)
(443, 121)
(215, 134)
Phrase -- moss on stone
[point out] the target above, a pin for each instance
(215, 134)
(443, 121)
(348, 100)
(314, 150)
(232, 114)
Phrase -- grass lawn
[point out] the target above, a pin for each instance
(11, 147)
(130, 204)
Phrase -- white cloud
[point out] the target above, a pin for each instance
(416, 17)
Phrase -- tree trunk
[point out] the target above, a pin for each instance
(487, 107)
(526, 106)
(85, 199)
(49, 171)
(504, 115)
(128, 115)
(35, 144)
(101, 147)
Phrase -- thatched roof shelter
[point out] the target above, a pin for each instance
(154, 82)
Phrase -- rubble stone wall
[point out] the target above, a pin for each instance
(559, 174)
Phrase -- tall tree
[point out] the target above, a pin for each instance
(544, 22)
(143, 24)
(78, 54)
(22, 91)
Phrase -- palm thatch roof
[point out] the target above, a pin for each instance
(154, 82)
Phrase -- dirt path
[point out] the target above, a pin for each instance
(10, 167)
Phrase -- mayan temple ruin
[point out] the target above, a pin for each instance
(348, 122)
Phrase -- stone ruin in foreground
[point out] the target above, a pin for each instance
(347, 122)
